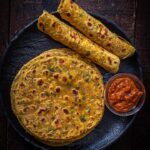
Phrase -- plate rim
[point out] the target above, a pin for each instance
(15, 37)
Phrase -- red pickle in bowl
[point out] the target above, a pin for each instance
(124, 92)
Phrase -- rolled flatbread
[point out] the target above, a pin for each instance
(68, 36)
(94, 29)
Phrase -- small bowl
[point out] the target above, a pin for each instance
(139, 105)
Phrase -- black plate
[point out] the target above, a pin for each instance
(29, 43)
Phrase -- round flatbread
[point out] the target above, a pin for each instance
(58, 97)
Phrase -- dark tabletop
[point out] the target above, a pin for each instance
(131, 15)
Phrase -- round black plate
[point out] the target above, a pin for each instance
(29, 43)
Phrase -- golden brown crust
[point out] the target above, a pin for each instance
(50, 97)
(68, 36)
(94, 29)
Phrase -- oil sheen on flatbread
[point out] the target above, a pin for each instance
(68, 36)
(58, 97)
(94, 29)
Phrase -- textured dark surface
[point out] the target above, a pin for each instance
(131, 15)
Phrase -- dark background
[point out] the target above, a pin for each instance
(131, 15)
